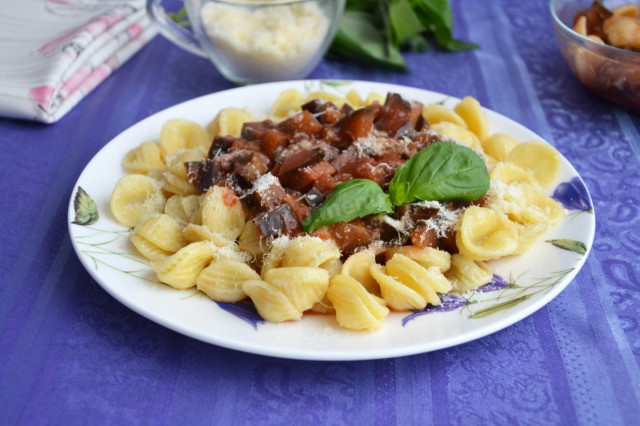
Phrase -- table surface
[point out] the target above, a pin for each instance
(70, 353)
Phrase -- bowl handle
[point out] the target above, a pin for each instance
(173, 31)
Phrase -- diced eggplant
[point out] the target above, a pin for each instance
(355, 125)
(303, 122)
(256, 130)
(266, 194)
(314, 197)
(352, 235)
(325, 112)
(399, 116)
(273, 143)
(220, 145)
(300, 159)
(277, 222)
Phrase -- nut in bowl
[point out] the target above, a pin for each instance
(255, 41)
(600, 42)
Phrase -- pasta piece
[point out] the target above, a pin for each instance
(274, 257)
(222, 212)
(354, 99)
(175, 161)
(184, 209)
(287, 102)
(194, 233)
(323, 307)
(471, 112)
(485, 234)
(458, 134)
(527, 204)
(426, 281)
(325, 96)
(426, 256)
(181, 269)
(356, 309)
(229, 121)
(147, 249)
(528, 235)
(178, 134)
(511, 173)
(303, 286)
(270, 302)
(309, 251)
(498, 145)
(332, 266)
(357, 267)
(175, 184)
(222, 280)
(539, 158)
(251, 241)
(436, 113)
(161, 231)
(466, 274)
(373, 97)
(135, 197)
(397, 294)
(143, 159)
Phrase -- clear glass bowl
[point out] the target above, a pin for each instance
(255, 41)
(610, 72)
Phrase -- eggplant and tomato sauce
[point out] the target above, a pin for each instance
(281, 171)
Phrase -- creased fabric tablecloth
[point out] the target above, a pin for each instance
(55, 52)
(72, 354)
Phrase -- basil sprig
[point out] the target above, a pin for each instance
(444, 171)
(349, 200)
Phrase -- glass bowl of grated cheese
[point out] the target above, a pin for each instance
(255, 41)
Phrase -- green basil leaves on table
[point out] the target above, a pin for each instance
(376, 31)
(444, 171)
(349, 200)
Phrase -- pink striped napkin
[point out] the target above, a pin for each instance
(55, 52)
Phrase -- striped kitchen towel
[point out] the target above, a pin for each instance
(55, 52)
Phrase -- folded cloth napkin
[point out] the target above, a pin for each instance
(54, 52)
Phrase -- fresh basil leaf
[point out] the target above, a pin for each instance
(347, 201)
(444, 171)
(405, 25)
(436, 16)
(359, 39)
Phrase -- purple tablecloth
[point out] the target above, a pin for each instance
(71, 354)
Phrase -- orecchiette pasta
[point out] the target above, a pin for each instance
(303, 286)
(457, 133)
(466, 274)
(179, 134)
(357, 267)
(210, 240)
(222, 212)
(486, 234)
(270, 302)
(134, 198)
(222, 280)
(471, 112)
(309, 251)
(158, 235)
(436, 113)
(144, 158)
(355, 307)
(498, 145)
(181, 269)
(539, 158)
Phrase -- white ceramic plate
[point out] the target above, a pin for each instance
(536, 278)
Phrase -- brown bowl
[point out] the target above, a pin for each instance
(610, 72)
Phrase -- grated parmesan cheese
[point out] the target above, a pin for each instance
(265, 43)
